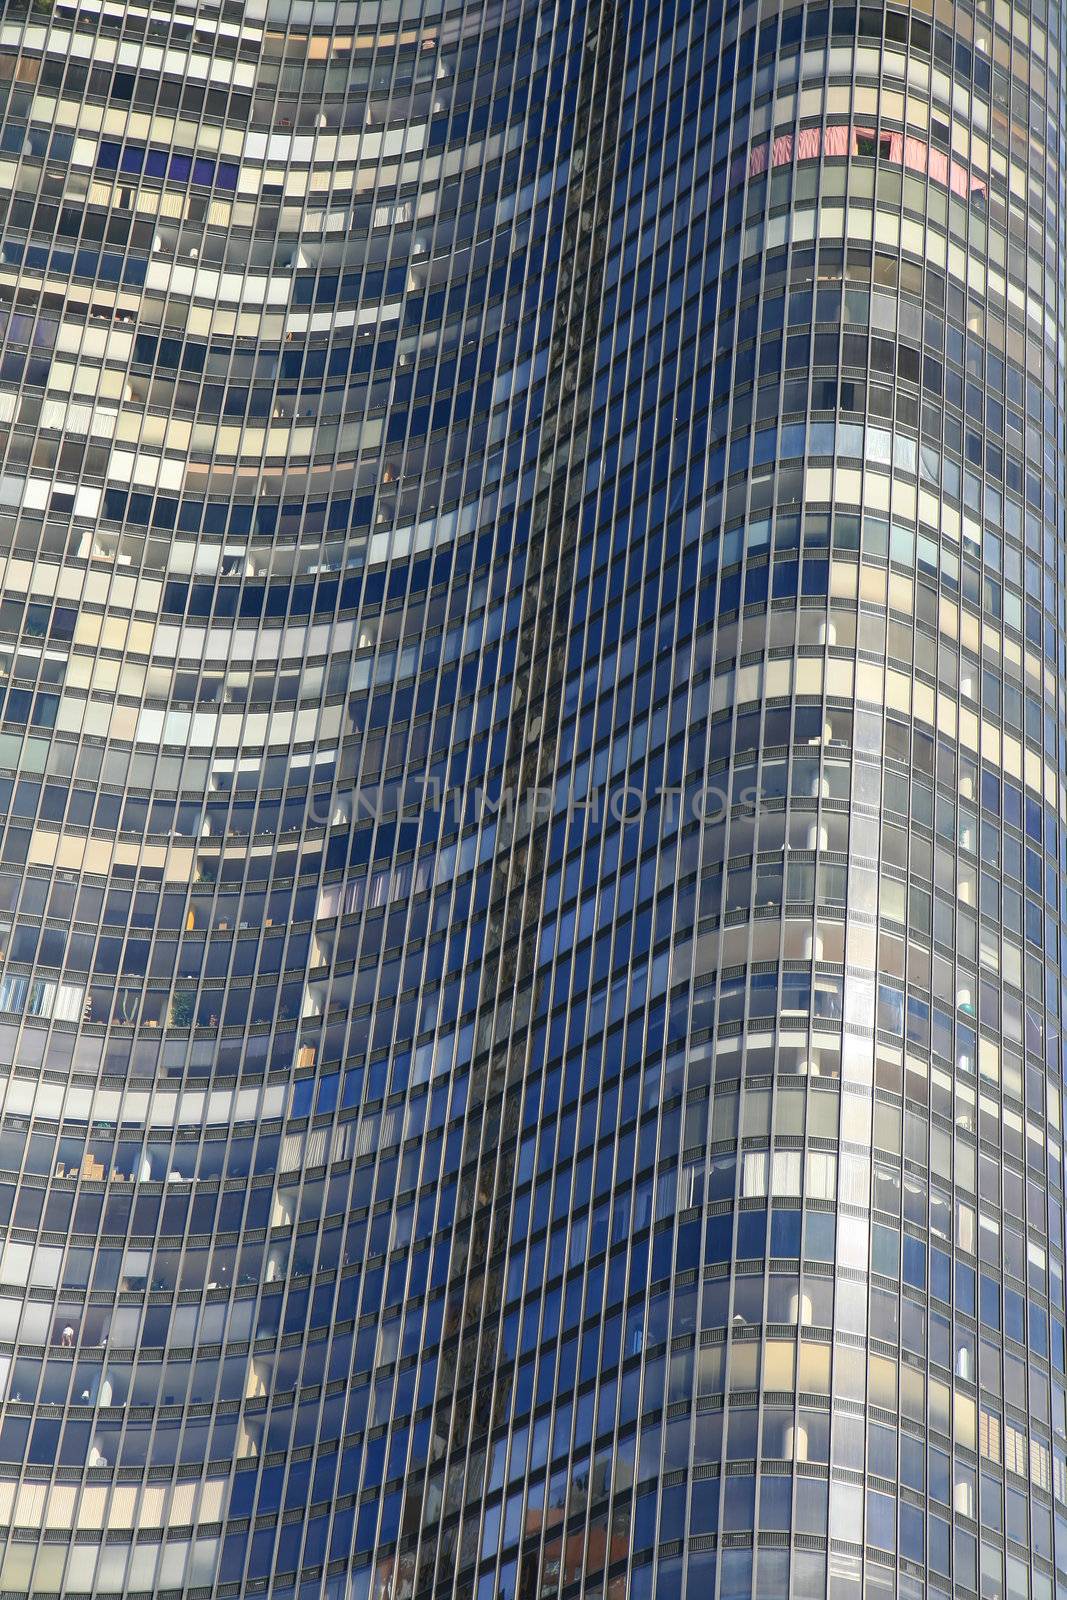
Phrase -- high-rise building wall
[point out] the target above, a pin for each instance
(532, 756)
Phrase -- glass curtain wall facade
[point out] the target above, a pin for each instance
(533, 868)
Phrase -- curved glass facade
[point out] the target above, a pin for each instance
(533, 829)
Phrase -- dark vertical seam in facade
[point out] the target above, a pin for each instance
(483, 1211)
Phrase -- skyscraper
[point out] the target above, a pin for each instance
(533, 869)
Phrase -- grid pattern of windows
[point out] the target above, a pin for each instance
(533, 799)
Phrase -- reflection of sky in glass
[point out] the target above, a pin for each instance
(531, 831)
